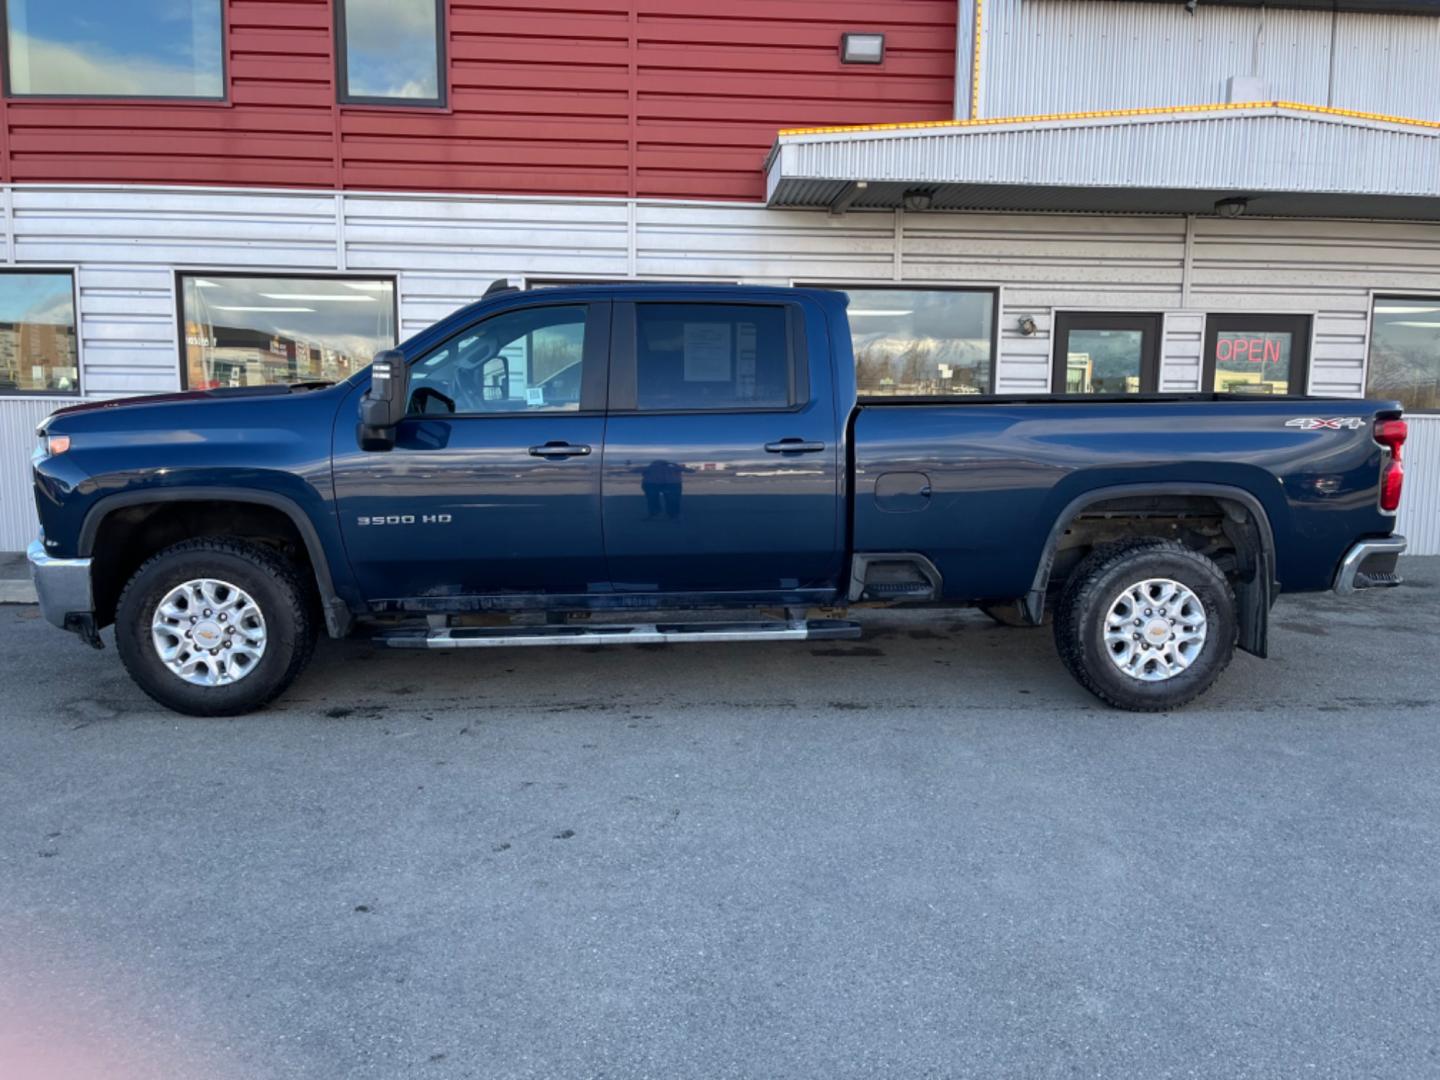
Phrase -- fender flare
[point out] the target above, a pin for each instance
(338, 617)
(1253, 598)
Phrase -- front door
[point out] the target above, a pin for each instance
(723, 462)
(493, 486)
(1105, 352)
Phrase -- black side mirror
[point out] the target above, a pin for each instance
(384, 404)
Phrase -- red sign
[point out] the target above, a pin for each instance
(1241, 349)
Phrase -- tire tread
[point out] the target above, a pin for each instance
(1080, 593)
(297, 592)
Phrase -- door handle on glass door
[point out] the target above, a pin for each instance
(794, 446)
(559, 450)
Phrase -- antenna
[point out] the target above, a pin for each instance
(498, 286)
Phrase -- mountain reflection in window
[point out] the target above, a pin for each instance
(922, 342)
(99, 48)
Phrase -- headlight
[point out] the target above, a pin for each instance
(50, 445)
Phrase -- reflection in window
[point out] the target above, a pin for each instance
(139, 48)
(1252, 362)
(37, 334)
(1405, 352)
(258, 331)
(922, 342)
(711, 356)
(1104, 361)
(522, 361)
(391, 50)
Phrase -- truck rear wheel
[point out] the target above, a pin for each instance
(214, 627)
(1146, 624)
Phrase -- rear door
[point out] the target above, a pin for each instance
(494, 482)
(722, 470)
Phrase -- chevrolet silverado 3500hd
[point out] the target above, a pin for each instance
(571, 457)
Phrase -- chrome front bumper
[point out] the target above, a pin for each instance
(1370, 564)
(62, 586)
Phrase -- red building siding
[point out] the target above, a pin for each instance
(574, 97)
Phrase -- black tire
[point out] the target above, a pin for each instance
(1099, 581)
(272, 583)
(1009, 614)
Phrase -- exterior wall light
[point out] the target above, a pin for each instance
(1028, 326)
(862, 48)
(918, 200)
(1232, 208)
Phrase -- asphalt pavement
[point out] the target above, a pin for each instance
(923, 854)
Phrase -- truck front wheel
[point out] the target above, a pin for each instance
(1146, 624)
(214, 627)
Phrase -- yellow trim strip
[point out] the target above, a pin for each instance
(1163, 110)
(978, 53)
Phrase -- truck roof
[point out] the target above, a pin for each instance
(680, 291)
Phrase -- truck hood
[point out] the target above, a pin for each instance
(185, 397)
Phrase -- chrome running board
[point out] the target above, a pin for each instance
(478, 637)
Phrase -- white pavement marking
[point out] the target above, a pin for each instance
(17, 592)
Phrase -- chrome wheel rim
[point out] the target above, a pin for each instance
(1155, 629)
(208, 632)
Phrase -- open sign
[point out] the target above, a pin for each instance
(1240, 348)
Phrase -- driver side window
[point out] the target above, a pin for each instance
(528, 360)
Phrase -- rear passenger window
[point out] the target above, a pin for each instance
(711, 356)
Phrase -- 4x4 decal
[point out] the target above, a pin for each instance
(1335, 423)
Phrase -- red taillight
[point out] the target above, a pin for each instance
(1391, 435)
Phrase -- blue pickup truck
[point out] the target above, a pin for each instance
(584, 465)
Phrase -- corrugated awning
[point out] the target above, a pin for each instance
(1281, 158)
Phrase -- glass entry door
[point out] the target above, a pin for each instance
(1256, 354)
(1102, 352)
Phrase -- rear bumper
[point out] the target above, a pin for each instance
(1370, 564)
(61, 585)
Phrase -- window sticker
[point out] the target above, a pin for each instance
(707, 352)
(535, 395)
(745, 361)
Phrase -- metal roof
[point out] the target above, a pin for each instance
(1284, 159)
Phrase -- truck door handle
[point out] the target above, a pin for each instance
(794, 446)
(559, 450)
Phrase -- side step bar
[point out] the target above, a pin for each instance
(484, 637)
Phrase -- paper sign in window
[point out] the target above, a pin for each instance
(707, 352)
(745, 361)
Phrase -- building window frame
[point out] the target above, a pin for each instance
(181, 273)
(1377, 296)
(441, 100)
(74, 273)
(1299, 324)
(1065, 320)
(928, 286)
(200, 100)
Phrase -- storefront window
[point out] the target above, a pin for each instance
(1256, 354)
(98, 48)
(1405, 352)
(391, 52)
(37, 334)
(1106, 352)
(922, 342)
(256, 331)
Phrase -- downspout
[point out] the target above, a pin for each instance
(966, 55)
(1334, 38)
(977, 55)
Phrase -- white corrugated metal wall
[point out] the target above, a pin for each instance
(126, 245)
(1051, 56)
(1419, 519)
